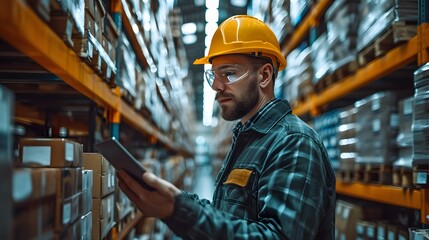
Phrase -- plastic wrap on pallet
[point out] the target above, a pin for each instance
(420, 125)
(322, 58)
(405, 134)
(342, 23)
(326, 125)
(404, 139)
(377, 127)
(77, 11)
(299, 69)
(377, 17)
(280, 18)
(127, 61)
(298, 9)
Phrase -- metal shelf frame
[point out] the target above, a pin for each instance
(24, 30)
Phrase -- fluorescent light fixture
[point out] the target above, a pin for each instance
(212, 15)
(212, 4)
(239, 3)
(189, 39)
(210, 28)
(189, 28)
(208, 100)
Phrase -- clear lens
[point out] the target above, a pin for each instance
(227, 74)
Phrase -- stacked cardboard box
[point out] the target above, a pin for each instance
(377, 127)
(103, 198)
(403, 165)
(6, 143)
(299, 75)
(347, 140)
(342, 23)
(377, 16)
(321, 58)
(326, 125)
(48, 174)
(421, 125)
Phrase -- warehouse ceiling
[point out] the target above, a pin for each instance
(194, 11)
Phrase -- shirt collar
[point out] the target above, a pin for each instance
(264, 119)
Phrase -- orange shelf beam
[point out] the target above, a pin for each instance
(311, 20)
(397, 196)
(394, 59)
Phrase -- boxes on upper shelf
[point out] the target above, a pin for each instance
(49, 152)
(377, 127)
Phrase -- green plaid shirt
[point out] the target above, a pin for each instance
(275, 183)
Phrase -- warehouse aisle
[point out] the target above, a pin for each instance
(203, 182)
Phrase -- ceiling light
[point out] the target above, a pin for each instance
(189, 28)
(189, 39)
(212, 4)
(212, 15)
(239, 3)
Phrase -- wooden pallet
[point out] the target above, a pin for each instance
(395, 34)
(402, 176)
(345, 70)
(324, 83)
(373, 173)
(346, 175)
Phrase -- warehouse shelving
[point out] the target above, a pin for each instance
(398, 196)
(25, 31)
(39, 42)
(414, 50)
(394, 59)
(302, 30)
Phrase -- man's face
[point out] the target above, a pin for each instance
(238, 98)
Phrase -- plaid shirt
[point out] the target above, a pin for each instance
(275, 183)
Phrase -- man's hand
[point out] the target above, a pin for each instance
(158, 203)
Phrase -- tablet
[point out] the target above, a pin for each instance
(121, 159)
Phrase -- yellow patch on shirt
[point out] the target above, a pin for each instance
(239, 177)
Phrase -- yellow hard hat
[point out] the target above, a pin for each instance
(244, 34)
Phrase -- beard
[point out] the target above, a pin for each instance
(241, 104)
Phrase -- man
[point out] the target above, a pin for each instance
(276, 182)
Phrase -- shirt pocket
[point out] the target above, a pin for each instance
(239, 188)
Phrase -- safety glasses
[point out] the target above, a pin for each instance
(228, 73)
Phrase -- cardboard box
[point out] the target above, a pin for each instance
(104, 176)
(49, 152)
(86, 226)
(87, 176)
(35, 220)
(102, 216)
(67, 212)
(73, 231)
(33, 184)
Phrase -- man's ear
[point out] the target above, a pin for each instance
(267, 75)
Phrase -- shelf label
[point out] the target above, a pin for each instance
(69, 151)
(37, 154)
(421, 178)
(22, 187)
(66, 213)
